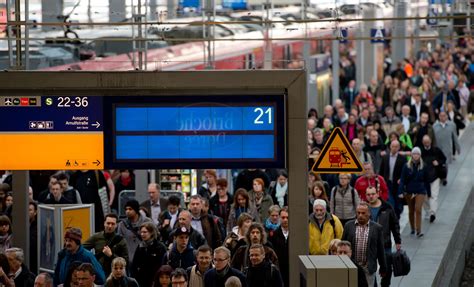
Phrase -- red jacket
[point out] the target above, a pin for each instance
(363, 182)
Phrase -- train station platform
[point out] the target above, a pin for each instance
(438, 258)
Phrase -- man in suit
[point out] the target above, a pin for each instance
(418, 107)
(367, 239)
(391, 170)
(420, 129)
(155, 205)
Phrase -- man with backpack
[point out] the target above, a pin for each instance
(344, 199)
(262, 273)
(323, 227)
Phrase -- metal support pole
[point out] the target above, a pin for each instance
(399, 46)
(267, 59)
(19, 56)
(171, 9)
(50, 10)
(21, 224)
(27, 35)
(307, 52)
(141, 185)
(335, 69)
(117, 12)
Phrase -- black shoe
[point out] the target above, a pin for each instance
(412, 232)
(445, 182)
(419, 234)
(432, 218)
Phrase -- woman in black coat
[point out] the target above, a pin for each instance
(148, 256)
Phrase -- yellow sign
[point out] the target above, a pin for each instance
(79, 217)
(51, 151)
(337, 156)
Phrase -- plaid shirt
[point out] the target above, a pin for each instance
(361, 243)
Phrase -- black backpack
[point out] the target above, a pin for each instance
(401, 263)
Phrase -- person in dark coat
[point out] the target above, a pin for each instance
(217, 276)
(32, 211)
(220, 204)
(118, 277)
(382, 213)
(245, 178)
(15, 259)
(391, 170)
(414, 184)
(181, 254)
(279, 189)
(279, 240)
(373, 239)
(148, 256)
(344, 248)
(262, 273)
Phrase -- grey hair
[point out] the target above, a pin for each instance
(320, 202)
(222, 249)
(19, 254)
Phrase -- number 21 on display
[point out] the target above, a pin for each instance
(260, 116)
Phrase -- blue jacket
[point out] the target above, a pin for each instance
(65, 258)
(180, 260)
(414, 180)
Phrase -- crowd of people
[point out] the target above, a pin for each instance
(404, 130)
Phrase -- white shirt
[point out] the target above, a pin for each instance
(197, 224)
(406, 123)
(391, 164)
(285, 233)
(418, 111)
(173, 219)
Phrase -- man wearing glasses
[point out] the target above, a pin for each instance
(217, 276)
(179, 278)
(85, 275)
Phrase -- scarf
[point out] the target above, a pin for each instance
(270, 226)
(222, 273)
(280, 193)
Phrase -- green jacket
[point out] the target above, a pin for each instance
(117, 244)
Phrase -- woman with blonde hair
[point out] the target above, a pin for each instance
(333, 246)
(118, 277)
(415, 185)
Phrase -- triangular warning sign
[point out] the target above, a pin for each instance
(337, 156)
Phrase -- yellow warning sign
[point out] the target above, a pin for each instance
(337, 156)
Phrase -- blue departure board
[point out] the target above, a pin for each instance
(195, 131)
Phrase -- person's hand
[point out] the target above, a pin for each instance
(382, 274)
(398, 247)
(107, 251)
(383, 153)
(435, 163)
(2, 273)
(166, 222)
(415, 129)
(401, 196)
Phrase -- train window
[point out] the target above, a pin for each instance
(250, 61)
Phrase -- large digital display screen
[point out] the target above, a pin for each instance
(195, 131)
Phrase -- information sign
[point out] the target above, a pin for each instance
(51, 132)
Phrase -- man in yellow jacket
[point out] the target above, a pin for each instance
(323, 227)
